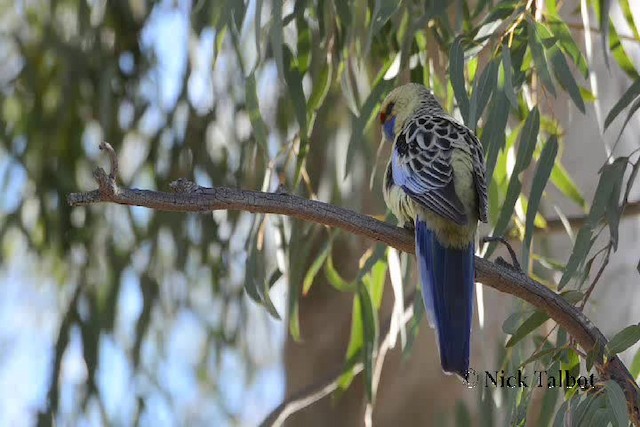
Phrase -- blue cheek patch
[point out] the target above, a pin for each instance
(389, 126)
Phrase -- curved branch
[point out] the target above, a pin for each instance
(192, 198)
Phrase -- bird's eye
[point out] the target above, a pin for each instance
(384, 115)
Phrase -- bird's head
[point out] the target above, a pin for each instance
(401, 104)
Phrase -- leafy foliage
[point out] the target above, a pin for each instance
(291, 91)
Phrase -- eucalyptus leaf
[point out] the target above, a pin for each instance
(629, 96)
(456, 74)
(529, 325)
(370, 334)
(617, 403)
(543, 172)
(623, 339)
(539, 59)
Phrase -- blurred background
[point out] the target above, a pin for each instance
(114, 315)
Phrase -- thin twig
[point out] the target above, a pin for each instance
(490, 274)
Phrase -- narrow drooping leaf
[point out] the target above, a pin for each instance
(334, 277)
(257, 28)
(565, 77)
(293, 78)
(276, 35)
(562, 32)
(456, 74)
(482, 90)
(613, 211)
(617, 403)
(382, 11)
(303, 58)
(315, 267)
(528, 138)
(610, 176)
(620, 55)
(632, 111)
(539, 60)
(508, 88)
(635, 366)
(630, 94)
(493, 134)
(361, 122)
(539, 355)
(545, 165)
(265, 294)
(624, 339)
(579, 253)
(604, 6)
(370, 334)
(260, 129)
(563, 182)
(320, 87)
(586, 409)
(529, 325)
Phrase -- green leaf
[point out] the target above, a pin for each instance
(456, 73)
(621, 57)
(539, 60)
(610, 177)
(257, 28)
(334, 277)
(315, 267)
(558, 421)
(563, 182)
(356, 339)
(624, 339)
(367, 113)
(604, 6)
(613, 210)
(635, 366)
(539, 355)
(528, 138)
(260, 129)
(414, 323)
(586, 410)
(276, 35)
(293, 78)
(493, 134)
(506, 213)
(528, 326)
(266, 297)
(321, 87)
(509, 90)
(562, 32)
(630, 94)
(632, 110)
(581, 248)
(482, 89)
(545, 165)
(370, 333)
(382, 11)
(303, 58)
(565, 76)
(513, 322)
(617, 403)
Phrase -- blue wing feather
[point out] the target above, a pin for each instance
(447, 276)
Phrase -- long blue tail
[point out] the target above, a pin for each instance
(447, 276)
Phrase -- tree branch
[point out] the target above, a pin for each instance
(189, 197)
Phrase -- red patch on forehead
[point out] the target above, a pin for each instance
(383, 117)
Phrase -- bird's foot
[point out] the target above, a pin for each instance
(514, 265)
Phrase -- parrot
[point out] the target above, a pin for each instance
(435, 184)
